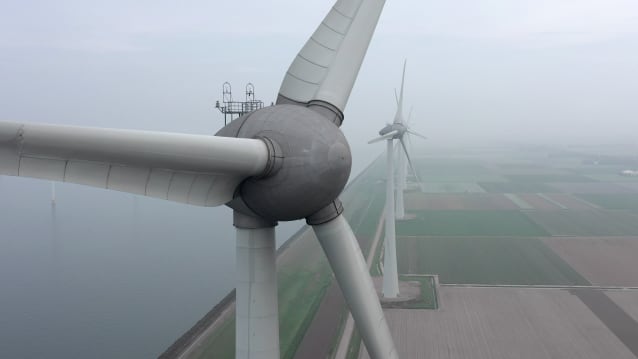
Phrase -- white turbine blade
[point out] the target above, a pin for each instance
(327, 66)
(351, 272)
(417, 134)
(195, 169)
(387, 136)
(407, 123)
(410, 142)
(407, 155)
(398, 118)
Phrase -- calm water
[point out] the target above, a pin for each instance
(106, 274)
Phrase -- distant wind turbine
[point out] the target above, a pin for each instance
(398, 130)
(279, 163)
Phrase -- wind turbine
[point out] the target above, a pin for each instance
(395, 131)
(280, 163)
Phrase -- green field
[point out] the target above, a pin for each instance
(612, 177)
(540, 178)
(485, 260)
(587, 223)
(451, 187)
(469, 223)
(221, 344)
(627, 201)
(516, 187)
(467, 178)
(364, 217)
(299, 297)
(450, 167)
(480, 246)
(300, 293)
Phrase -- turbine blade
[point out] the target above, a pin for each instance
(352, 274)
(407, 155)
(407, 123)
(410, 142)
(399, 116)
(387, 136)
(417, 134)
(195, 169)
(327, 66)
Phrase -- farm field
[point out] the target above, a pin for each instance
(487, 323)
(451, 187)
(604, 261)
(515, 187)
(460, 178)
(548, 178)
(613, 201)
(570, 202)
(628, 301)
(518, 201)
(469, 223)
(534, 171)
(485, 260)
(631, 185)
(612, 176)
(586, 223)
(432, 166)
(487, 220)
(544, 220)
(475, 201)
(588, 187)
(537, 202)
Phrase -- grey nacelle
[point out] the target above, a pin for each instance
(310, 166)
(400, 128)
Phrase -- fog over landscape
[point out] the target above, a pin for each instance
(478, 72)
(496, 69)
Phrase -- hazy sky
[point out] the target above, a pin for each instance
(477, 69)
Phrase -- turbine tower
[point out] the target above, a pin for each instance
(53, 193)
(395, 131)
(279, 163)
(401, 185)
(403, 169)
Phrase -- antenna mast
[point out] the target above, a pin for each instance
(231, 108)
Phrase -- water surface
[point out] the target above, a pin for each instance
(106, 274)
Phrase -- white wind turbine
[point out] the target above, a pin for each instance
(280, 163)
(398, 130)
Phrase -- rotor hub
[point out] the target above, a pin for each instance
(310, 163)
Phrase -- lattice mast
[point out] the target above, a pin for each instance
(234, 109)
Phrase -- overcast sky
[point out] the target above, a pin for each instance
(477, 69)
